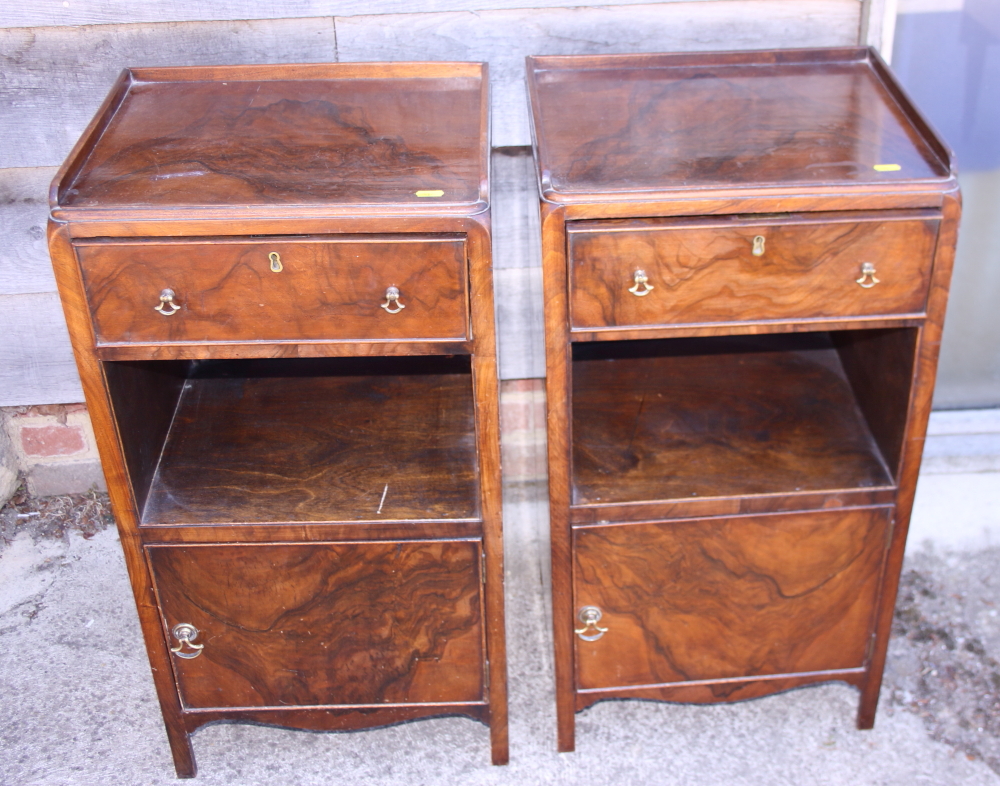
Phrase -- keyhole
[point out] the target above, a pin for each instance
(276, 266)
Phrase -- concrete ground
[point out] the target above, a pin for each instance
(77, 703)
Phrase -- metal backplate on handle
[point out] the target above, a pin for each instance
(590, 616)
(867, 279)
(640, 281)
(185, 633)
(167, 306)
(392, 304)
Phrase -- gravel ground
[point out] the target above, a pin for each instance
(54, 517)
(943, 658)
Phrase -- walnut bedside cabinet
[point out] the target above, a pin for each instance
(278, 286)
(746, 264)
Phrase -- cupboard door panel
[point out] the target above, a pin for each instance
(324, 624)
(726, 598)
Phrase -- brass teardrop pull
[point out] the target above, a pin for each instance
(591, 631)
(641, 281)
(185, 632)
(167, 306)
(392, 299)
(867, 279)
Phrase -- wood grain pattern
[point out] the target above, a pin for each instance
(880, 365)
(144, 399)
(311, 138)
(345, 624)
(706, 270)
(503, 38)
(659, 140)
(339, 440)
(715, 691)
(290, 439)
(328, 288)
(716, 417)
(674, 122)
(729, 598)
(56, 77)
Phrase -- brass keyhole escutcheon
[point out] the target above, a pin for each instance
(276, 266)
(590, 616)
(185, 633)
(641, 281)
(867, 279)
(758, 246)
(167, 306)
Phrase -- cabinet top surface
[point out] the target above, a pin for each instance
(346, 137)
(634, 124)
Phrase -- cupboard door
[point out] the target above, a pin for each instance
(282, 625)
(713, 599)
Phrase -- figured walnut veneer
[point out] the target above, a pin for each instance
(351, 624)
(327, 288)
(746, 259)
(305, 481)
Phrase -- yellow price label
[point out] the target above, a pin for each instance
(430, 193)
(887, 167)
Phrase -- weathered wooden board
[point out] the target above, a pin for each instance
(53, 79)
(24, 209)
(517, 237)
(521, 331)
(37, 13)
(36, 362)
(504, 38)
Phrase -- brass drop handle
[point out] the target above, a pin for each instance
(590, 616)
(184, 632)
(641, 281)
(867, 272)
(392, 299)
(758, 246)
(167, 302)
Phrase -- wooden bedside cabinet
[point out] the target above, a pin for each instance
(278, 286)
(746, 264)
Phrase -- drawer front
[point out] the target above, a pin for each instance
(281, 289)
(650, 272)
(286, 625)
(727, 598)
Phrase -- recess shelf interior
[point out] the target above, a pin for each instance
(331, 439)
(717, 417)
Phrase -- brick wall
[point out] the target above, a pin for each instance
(52, 447)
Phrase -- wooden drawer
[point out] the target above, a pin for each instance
(714, 599)
(281, 289)
(293, 625)
(743, 269)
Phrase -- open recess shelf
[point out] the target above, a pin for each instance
(676, 419)
(312, 440)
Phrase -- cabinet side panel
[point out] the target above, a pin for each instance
(879, 366)
(728, 598)
(325, 624)
(144, 398)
